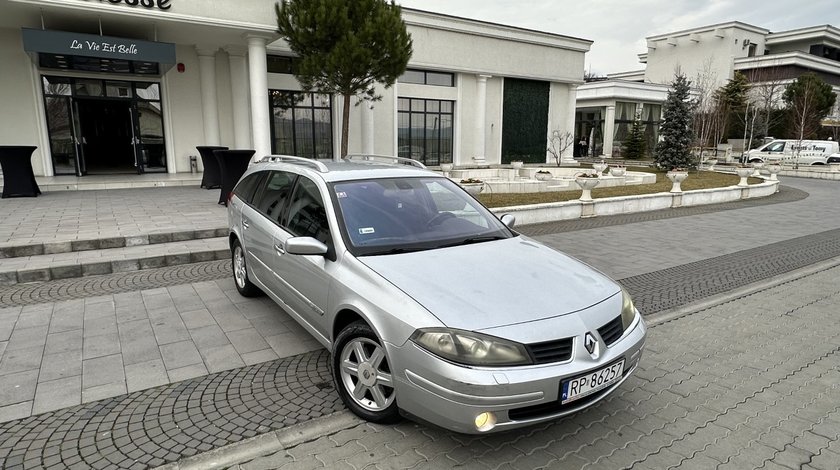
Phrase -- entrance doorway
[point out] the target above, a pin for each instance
(107, 136)
(104, 126)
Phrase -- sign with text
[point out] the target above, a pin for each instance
(91, 45)
(159, 4)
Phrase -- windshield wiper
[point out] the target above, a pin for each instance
(471, 240)
(394, 251)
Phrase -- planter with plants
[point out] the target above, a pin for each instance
(600, 167)
(710, 163)
(773, 167)
(543, 175)
(472, 185)
(516, 164)
(743, 172)
(586, 181)
(677, 176)
(618, 170)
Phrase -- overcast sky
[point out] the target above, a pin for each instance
(619, 27)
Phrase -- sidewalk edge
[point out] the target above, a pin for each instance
(268, 443)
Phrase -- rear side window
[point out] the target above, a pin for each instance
(247, 187)
(274, 196)
(307, 216)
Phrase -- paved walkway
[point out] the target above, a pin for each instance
(65, 216)
(747, 384)
(652, 248)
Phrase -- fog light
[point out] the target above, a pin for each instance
(485, 421)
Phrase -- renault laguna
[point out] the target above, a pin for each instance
(432, 307)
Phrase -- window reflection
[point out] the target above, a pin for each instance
(425, 130)
(301, 124)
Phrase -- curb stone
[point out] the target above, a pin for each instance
(268, 443)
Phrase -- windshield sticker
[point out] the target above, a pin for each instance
(341, 194)
(366, 230)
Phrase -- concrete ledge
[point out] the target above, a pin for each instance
(552, 212)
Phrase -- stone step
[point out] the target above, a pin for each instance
(70, 246)
(46, 267)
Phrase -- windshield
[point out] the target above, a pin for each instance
(397, 215)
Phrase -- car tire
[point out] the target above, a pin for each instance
(240, 272)
(363, 376)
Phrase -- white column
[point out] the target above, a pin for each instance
(568, 154)
(258, 78)
(239, 95)
(209, 99)
(480, 120)
(609, 131)
(367, 128)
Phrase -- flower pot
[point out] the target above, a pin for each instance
(473, 188)
(599, 167)
(586, 185)
(543, 176)
(773, 168)
(617, 171)
(446, 166)
(710, 164)
(757, 166)
(516, 165)
(743, 173)
(676, 177)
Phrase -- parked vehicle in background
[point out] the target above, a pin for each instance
(431, 306)
(794, 152)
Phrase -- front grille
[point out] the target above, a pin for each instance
(611, 331)
(551, 351)
(555, 407)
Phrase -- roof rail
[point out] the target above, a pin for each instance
(389, 159)
(297, 161)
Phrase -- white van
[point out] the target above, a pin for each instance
(801, 152)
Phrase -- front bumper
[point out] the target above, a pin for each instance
(451, 396)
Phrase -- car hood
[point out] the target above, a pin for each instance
(492, 284)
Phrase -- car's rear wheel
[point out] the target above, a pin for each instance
(240, 272)
(363, 374)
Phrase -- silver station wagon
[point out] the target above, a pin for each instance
(432, 306)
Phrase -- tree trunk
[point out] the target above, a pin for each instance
(345, 124)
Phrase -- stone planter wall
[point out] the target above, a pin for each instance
(540, 213)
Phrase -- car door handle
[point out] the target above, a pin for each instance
(279, 249)
(245, 224)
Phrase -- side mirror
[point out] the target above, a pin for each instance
(509, 220)
(304, 246)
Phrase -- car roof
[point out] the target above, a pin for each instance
(344, 170)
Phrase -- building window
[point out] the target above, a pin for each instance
(424, 130)
(626, 113)
(282, 64)
(301, 124)
(422, 77)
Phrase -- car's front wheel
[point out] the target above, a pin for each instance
(363, 374)
(240, 272)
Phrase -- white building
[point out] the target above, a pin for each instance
(135, 85)
(707, 55)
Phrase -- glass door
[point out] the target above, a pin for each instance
(62, 124)
(148, 129)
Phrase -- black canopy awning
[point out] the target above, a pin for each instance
(62, 44)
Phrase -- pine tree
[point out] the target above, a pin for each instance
(674, 148)
(345, 47)
(635, 147)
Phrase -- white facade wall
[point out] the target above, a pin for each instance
(466, 48)
(695, 51)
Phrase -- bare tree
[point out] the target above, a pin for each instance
(766, 89)
(706, 115)
(558, 143)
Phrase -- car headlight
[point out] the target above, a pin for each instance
(628, 310)
(470, 348)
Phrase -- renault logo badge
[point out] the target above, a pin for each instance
(591, 344)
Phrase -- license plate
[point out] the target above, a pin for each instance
(590, 383)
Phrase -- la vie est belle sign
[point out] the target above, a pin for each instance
(158, 4)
